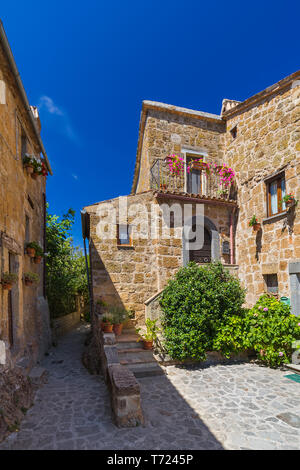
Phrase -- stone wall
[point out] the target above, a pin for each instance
(128, 276)
(166, 133)
(20, 196)
(267, 141)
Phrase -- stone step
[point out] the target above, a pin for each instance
(136, 356)
(128, 345)
(38, 375)
(127, 338)
(293, 367)
(146, 369)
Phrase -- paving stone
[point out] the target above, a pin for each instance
(237, 406)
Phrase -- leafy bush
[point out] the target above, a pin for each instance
(194, 304)
(268, 328)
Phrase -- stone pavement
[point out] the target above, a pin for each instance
(239, 406)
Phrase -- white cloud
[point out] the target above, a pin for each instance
(46, 103)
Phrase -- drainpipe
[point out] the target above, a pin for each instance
(231, 236)
(84, 236)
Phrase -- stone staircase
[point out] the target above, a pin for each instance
(131, 353)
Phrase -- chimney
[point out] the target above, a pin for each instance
(228, 104)
(36, 117)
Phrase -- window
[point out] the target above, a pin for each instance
(233, 132)
(275, 193)
(123, 235)
(193, 178)
(23, 145)
(271, 283)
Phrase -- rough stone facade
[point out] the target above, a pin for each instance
(257, 138)
(267, 142)
(24, 321)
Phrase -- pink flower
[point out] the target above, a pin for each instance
(280, 354)
(266, 309)
(260, 307)
(298, 324)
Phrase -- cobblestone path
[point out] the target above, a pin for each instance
(239, 406)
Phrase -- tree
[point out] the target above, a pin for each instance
(66, 271)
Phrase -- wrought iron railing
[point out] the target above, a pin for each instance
(190, 179)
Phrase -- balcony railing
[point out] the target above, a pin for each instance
(192, 179)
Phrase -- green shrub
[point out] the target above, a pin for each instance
(268, 328)
(194, 304)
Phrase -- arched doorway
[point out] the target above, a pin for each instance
(203, 255)
(210, 250)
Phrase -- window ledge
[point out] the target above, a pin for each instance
(125, 246)
(275, 217)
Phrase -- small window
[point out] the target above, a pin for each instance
(275, 193)
(23, 145)
(233, 132)
(271, 282)
(123, 235)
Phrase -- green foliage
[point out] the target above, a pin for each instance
(119, 314)
(150, 334)
(9, 278)
(194, 304)
(253, 221)
(66, 270)
(31, 277)
(268, 328)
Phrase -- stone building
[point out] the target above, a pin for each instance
(259, 139)
(24, 315)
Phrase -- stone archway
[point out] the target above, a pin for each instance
(211, 235)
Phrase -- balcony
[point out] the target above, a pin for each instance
(193, 179)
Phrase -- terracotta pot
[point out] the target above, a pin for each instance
(118, 327)
(6, 285)
(107, 327)
(147, 344)
(256, 227)
(37, 259)
(29, 169)
(30, 252)
(290, 203)
(199, 166)
(28, 283)
(34, 175)
(163, 186)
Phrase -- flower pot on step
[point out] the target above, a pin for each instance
(107, 327)
(37, 259)
(34, 175)
(117, 328)
(147, 344)
(28, 282)
(256, 227)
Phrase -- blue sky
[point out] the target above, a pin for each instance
(88, 66)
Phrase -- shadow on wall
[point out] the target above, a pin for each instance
(103, 283)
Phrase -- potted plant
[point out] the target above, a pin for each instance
(8, 279)
(39, 253)
(107, 324)
(254, 223)
(30, 249)
(289, 200)
(222, 193)
(163, 184)
(176, 164)
(119, 316)
(30, 278)
(150, 334)
(28, 164)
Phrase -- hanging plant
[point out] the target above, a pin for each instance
(8, 279)
(254, 223)
(289, 200)
(176, 164)
(31, 278)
